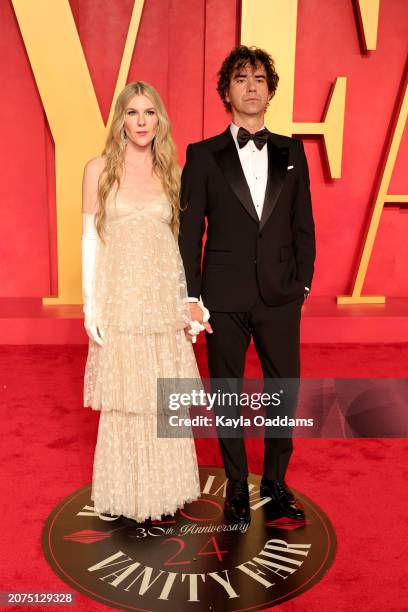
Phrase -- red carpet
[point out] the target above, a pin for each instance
(47, 451)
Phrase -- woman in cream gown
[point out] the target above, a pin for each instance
(136, 312)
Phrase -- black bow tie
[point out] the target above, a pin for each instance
(259, 138)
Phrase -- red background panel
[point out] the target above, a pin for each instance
(24, 242)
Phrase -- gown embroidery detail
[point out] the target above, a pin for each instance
(140, 301)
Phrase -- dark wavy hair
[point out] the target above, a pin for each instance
(237, 59)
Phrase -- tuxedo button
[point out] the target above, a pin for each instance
(259, 235)
(255, 260)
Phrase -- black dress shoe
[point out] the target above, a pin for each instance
(283, 498)
(236, 507)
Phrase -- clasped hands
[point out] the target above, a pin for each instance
(199, 316)
(199, 322)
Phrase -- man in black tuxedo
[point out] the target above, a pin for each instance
(252, 186)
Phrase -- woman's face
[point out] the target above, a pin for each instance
(141, 120)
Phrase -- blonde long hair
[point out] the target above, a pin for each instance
(163, 152)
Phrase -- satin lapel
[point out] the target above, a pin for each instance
(228, 160)
(277, 168)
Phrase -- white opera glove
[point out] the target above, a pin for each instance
(195, 329)
(89, 244)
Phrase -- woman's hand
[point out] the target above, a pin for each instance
(94, 333)
(192, 330)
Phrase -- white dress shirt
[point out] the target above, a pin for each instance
(254, 163)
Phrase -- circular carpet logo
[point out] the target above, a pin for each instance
(193, 561)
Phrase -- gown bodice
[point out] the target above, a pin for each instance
(153, 204)
(140, 284)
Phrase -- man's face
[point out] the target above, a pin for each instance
(248, 90)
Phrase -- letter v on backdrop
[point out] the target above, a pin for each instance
(61, 74)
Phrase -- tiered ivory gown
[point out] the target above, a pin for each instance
(140, 300)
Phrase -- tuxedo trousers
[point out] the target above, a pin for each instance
(275, 331)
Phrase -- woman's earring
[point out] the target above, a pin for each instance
(123, 136)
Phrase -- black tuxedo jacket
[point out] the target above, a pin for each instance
(245, 256)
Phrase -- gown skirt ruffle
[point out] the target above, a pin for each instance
(140, 304)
